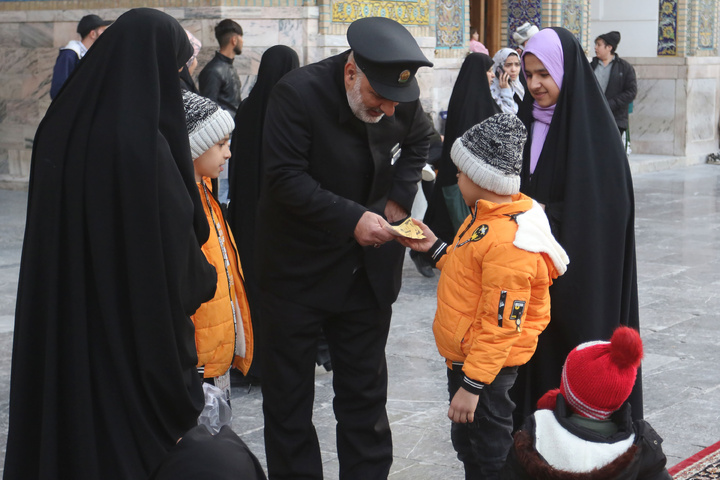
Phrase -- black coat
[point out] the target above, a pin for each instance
(583, 179)
(644, 460)
(220, 82)
(621, 89)
(324, 169)
(104, 377)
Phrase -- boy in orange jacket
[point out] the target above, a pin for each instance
(493, 298)
(223, 332)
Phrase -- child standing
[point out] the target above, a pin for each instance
(493, 298)
(583, 430)
(223, 332)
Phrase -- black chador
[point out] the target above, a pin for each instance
(103, 378)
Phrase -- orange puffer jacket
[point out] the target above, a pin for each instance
(214, 326)
(493, 298)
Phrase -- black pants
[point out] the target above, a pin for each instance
(356, 341)
(483, 445)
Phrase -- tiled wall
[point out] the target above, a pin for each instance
(676, 110)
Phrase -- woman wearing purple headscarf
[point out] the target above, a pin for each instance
(575, 165)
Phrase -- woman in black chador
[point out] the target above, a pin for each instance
(246, 170)
(103, 369)
(576, 166)
(470, 103)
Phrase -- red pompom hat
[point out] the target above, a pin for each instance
(598, 377)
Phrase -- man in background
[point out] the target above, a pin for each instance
(615, 76)
(90, 28)
(219, 81)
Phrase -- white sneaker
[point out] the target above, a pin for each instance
(428, 174)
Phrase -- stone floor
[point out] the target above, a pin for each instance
(678, 247)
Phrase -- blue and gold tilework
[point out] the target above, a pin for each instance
(410, 12)
(450, 20)
(707, 22)
(667, 28)
(521, 11)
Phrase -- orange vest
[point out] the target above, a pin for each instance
(214, 325)
(493, 299)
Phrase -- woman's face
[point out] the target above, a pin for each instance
(490, 76)
(512, 66)
(541, 85)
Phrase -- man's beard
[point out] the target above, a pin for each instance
(357, 106)
(237, 49)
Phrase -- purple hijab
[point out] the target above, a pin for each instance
(546, 46)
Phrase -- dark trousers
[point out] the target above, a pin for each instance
(356, 341)
(483, 445)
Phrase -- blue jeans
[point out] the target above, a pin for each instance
(483, 444)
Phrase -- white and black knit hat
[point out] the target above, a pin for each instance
(490, 153)
(207, 123)
(524, 33)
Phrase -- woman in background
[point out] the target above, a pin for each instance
(246, 170)
(507, 88)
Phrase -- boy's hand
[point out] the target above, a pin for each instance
(419, 245)
(462, 406)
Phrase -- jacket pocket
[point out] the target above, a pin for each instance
(463, 335)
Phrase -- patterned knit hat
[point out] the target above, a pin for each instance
(490, 153)
(598, 377)
(207, 123)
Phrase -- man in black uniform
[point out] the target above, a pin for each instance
(345, 141)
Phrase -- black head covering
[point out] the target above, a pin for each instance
(103, 379)
(583, 179)
(203, 456)
(470, 103)
(246, 168)
(186, 80)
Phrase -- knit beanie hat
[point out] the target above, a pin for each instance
(611, 38)
(207, 123)
(490, 153)
(524, 33)
(598, 377)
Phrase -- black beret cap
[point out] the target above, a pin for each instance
(388, 55)
(88, 23)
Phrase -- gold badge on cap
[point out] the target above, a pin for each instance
(404, 76)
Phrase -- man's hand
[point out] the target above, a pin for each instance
(462, 406)
(394, 212)
(371, 230)
(419, 245)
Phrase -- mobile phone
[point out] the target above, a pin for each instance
(499, 71)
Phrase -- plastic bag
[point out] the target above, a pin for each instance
(216, 412)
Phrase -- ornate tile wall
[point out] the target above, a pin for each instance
(409, 12)
(573, 17)
(521, 11)
(450, 24)
(667, 28)
(704, 18)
